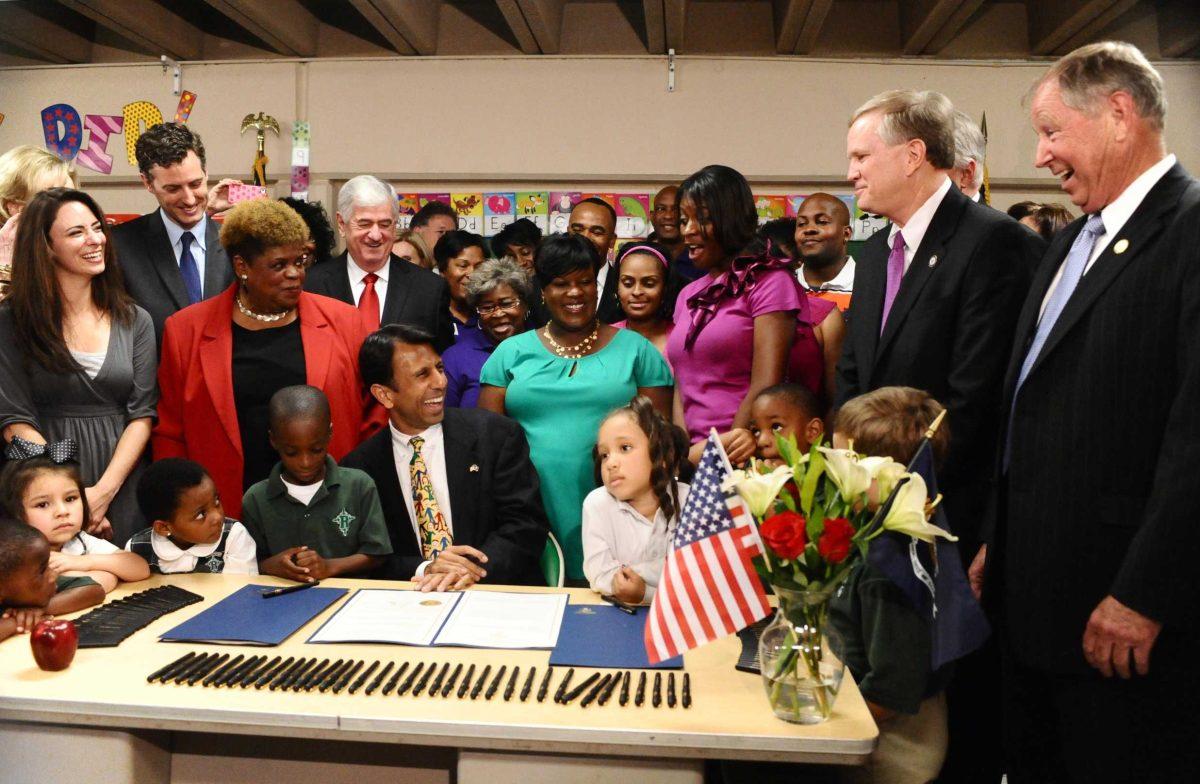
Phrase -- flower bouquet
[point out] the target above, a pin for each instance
(816, 515)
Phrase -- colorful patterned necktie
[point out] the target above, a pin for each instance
(435, 534)
(895, 271)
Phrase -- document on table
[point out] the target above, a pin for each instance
(389, 616)
(492, 619)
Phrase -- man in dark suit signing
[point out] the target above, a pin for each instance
(172, 257)
(385, 288)
(1090, 570)
(459, 492)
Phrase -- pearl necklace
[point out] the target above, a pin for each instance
(579, 350)
(267, 317)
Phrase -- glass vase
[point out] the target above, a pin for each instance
(797, 652)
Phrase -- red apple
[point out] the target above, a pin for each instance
(54, 643)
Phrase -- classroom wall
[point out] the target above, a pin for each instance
(493, 123)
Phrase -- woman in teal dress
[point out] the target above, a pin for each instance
(560, 381)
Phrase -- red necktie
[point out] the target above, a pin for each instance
(368, 304)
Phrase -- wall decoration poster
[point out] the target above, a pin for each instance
(499, 210)
(535, 205)
(794, 200)
(633, 215)
(770, 207)
(469, 207)
(561, 203)
(425, 198)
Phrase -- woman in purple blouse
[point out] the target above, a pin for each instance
(743, 326)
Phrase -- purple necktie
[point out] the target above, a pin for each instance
(895, 271)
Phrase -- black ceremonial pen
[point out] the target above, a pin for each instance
(391, 684)
(363, 678)
(280, 677)
(625, 690)
(608, 690)
(671, 690)
(379, 678)
(253, 674)
(545, 687)
(435, 688)
(273, 592)
(421, 684)
(210, 674)
(620, 605)
(310, 678)
(204, 669)
(183, 672)
(657, 689)
(234, 673)
(449, 687)
(591, 695)
(466, 684)
(164, 671)
(512, 684)
(562, 687)
(302, 676)
(528, 684)
(491, 690)
(641, 690)
(408, 682)
(687, 690)
(580, 689)
(306, 665)
(273, 672)
(330, 680)
(347, 676)
(478, 687)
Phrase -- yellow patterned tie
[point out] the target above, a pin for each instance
(435, 534)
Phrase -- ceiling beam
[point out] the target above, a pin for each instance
(1053, 25)
(656, 26)
(146, 24)
(537, 24)
(410, 26)
(813, 23)
(1094, 29)
(923, 21)
(1178, 28)
(675, 20)
(41, 38)
(284, 25)
(798, 23)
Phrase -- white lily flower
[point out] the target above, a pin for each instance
(848, 474)
(907, 514)
(758, 490)
(885, 471)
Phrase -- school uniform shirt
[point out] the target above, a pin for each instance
(84, 543)
(234, 552)
(615, 535)
(67, 583)
(344, 517)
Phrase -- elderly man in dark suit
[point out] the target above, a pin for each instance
(1090, 566)
(459, 492)
(385, 288)
(172, 257)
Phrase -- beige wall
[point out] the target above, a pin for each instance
(573, 121)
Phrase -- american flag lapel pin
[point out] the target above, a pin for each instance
(474, 469)
(933, 260)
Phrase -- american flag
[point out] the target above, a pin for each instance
(708, 587)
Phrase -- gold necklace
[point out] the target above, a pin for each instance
(579, 350)
(266, 317)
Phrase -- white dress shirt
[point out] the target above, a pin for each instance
(602, 274)
(918, 224)
(241, 554)
(615, 535)
(357, 286)
(1116, 215)
(434, 452)
(199, 244)
(842, 283)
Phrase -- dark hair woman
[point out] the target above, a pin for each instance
(223, 358)
(457, 254)
(560, 381)
(743, 326)
(76, 355)
(643, 290)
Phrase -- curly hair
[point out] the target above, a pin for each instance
(253, 226)
(319, 228)
(668, 452)
(499, 272)
(891, 421)
(167, 144)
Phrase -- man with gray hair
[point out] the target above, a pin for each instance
(385, 288)
(1088, 568)
(969, 152)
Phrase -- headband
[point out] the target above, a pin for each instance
(64, 451)
(643, 249)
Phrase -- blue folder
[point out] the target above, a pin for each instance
(597, 635)
(246, 618)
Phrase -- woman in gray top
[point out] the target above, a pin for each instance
(77, 356)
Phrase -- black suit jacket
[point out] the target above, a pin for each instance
(415, 296)
(949, 333)
(1100, 494)
(609, 308)
(495, 501)
(152, 274)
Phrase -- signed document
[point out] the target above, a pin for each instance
(389, 616)
(493, 619)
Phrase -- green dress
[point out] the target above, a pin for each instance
(561, 414)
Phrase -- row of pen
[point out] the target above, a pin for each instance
(325, 675)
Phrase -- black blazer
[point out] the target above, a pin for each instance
(609, 308)
(949, 332)
(151, 272)
(415, 296)
(1100, 493)
(495, 501)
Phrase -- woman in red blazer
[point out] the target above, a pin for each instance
(224, 357)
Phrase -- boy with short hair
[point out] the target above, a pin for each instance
(887, 642)
(312, 518)
(29, 588)
(785, 410)
(188, 531)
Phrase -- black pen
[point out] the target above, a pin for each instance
(580, 689)
(379, 678)
(562, 687)
(528, 684)
(671, 690)
(591, 695)
(165, 671)
(334, 678)
(183, 672)
(391, 684)
(466, 684)
(306, 667)
(412, 677)
(491, 690)
(251, 675)
(421, 684)
(609, 689)
(512, 684)
(657, 689)
(224, 663)
(347, 676)
(641, 690)
(625, 690)
(449, 687)
(274, 671)
(478, 687)
(284, 673)
(363, 678)
(435, 688)
(234, 668)
(236, 673)
(620, 605)
(687, 690)
(273, 592)
(312, 676)
(545, 687)
(210, 666)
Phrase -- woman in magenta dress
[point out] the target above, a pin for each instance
(744, 325)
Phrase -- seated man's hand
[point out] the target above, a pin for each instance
(455, 568)
(283, 564)
(628, 586)
(318, 567)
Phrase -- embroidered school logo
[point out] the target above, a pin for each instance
(216, 565)
(342, 520)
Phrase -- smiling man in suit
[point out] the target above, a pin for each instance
(172, 257)
(459, 492)
(385, 288)
(1088, 567)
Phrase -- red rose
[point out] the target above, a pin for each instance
(834, 544)
(784, 534)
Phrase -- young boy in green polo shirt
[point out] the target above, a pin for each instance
(311, 518)
(29, 589)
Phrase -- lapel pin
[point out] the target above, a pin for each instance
(474, 469)
(1121, 246)
(933, 260)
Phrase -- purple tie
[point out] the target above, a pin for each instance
(895, 271)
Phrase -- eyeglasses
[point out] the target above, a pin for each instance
(508, 303)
